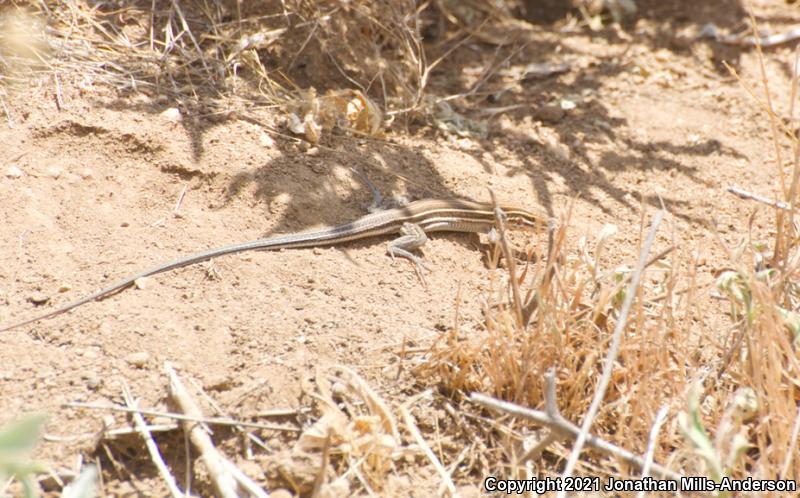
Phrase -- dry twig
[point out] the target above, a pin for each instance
(651, 444)
(179, 416)
(411, 426)
(563, 428)
(152, 447)
(744, 194)
(224, 481)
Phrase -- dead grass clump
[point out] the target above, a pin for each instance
(763, 290)
(356, 443)
(727, 394)
(565, 322)
(669, 396)
(760, 361)
(223, 58)
(220, 56)
(727, 402)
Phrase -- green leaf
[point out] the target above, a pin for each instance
(21, 435)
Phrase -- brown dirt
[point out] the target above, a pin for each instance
(658, 120)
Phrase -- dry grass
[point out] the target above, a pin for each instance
(575, 302)
(764, 292)
(220, 58)
(731, 396)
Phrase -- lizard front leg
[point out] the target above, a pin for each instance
(412, 237)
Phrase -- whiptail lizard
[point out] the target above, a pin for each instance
(412, 222)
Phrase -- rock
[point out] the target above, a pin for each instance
(567, 104)
(219, 383)
(138, 360)
(549, 113)
(265, 140)
(93, 382)
(14, 172)
(38, 298)
(54, 172)
(173, 115)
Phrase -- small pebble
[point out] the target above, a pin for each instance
(64, 288)
(173, 115)
(219, 383)
(13, 172)
(54, 172)
(265, 140)
(138, 360)
(38, 298)
(568, 105)
(93, 382)
(549, 113)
